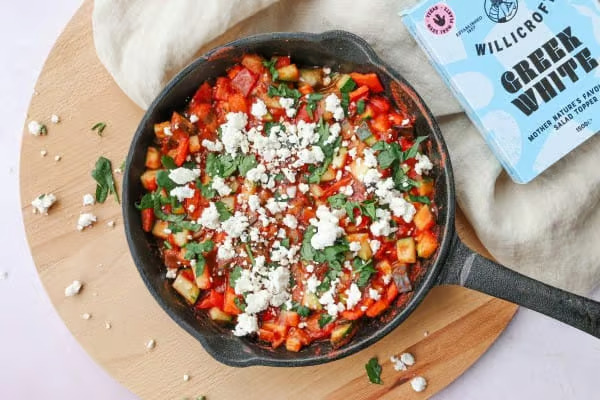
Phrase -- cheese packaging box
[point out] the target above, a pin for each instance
(526, 72)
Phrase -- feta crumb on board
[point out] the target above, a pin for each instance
(73, 289)
(36, 129)
(107, 325)
(186, 377)
(55, 119)
(418, 383)
(88, 200)
(57, 157)
(86, 316)
(150, 344)
(408, 359)
(43, 202)
(85, 220)
(111, 224)
(43, 153)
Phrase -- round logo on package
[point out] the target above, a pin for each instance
(440, 19)
(501, 11)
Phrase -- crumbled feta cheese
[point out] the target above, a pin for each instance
(254, 202)
(374, 294)
(375, 245)
(326, 70)
(259, 109)
(233, 135)
(257, 302)
(212, 146)
(246, 324)
(303, 187)
(369, 157)
(55, 119)
(235, 225)
(418, 383)
(171, 273)
(258, 174)
(226, 251)
(73, 289)
(328, 229)
(35, 128)
(423, 164)
(310, 268)
(371, 177)
(43, 202)
(194, 118)
(333, 105)
(398, 364)
(353, 296)
(275, 207)
(291, 191)
(182, 193)
(107, 325)
(43, 153)
(57, 157)
(220, 186)
(290, 221)
(86, 316)
(110, 224)
(288, 104)
(347, 190)
(85, 220)
(150, 344)
(186, 377)
(181, 176)
(167, 131)
(210, 217)
(407, 359)
(352, 153)
(88, 200)
(355, 246)
(312, 283)
(381, 227)
(402, 208)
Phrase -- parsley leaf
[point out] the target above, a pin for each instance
(337, 201)
(364, 271)
(146, 202)
(419, 199)
(360, 106)
(105, 183)
(99, 128)
(324, 319)
(311, 103)
(412, 152)
(163, 180)
(285, 243)
(240, 304)
(168, 162)
(284, 91)
(374, 371)
(307, 252)
(195, 250)
(224, 212)
(234, 275)
(246, 163)
(213, 166)
(303, 311)
(206, 190)
(270, 65)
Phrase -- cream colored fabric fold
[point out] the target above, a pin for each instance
(548, 229)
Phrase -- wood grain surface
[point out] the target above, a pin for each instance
(461, 324)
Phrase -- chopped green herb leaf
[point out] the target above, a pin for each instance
(349, 86)
(271, 66)
(285, 243)
(374, 371)
(235, 275)
(167, 244)
(324, 319)
(168, 162)
(43, 129)
(246, 163)
(250, 254)
(419, 199)
(284, 91)
(303, 311)
(364, 271)
(99, 128)
(105, 183)
(146, 202)
(195, 250)
(163, 180)
(240, 304)
(360, 106)
(224, 212)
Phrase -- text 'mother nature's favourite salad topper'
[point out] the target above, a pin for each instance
(526, 72)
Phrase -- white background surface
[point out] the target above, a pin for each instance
(534, 358)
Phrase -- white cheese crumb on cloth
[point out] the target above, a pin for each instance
(73, 289)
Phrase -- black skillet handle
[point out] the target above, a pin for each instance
(469, 269)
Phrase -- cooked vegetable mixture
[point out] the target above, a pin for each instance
(292, 204)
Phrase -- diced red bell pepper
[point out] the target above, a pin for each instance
(283, 62)
(244, 81)
(183, 149)
(233, 71)
(279, 333)
(333, 189)
(361, 92)
(265, 335)
(222, 88)
(352, 315)
(254, 63)
(147, 219)
(212, 299)
(381, 123)
(305, 88)
(201, 110)
(392, 292)
(196, 204)
(203, 94)
(229, 305)
(370, 80)
(380, 104)
(377, 308)
(290, 318)
(296, 339)
(237, 103)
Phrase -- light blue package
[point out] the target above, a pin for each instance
(526, 71)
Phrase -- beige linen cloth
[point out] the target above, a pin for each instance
(548, 229)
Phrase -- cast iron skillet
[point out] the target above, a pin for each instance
(453, 263)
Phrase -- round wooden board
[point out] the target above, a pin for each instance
(461, 323)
